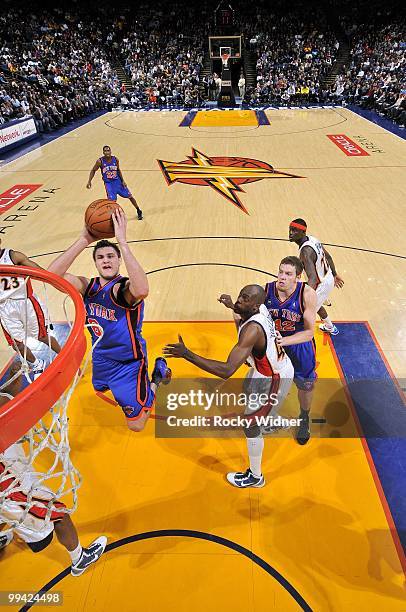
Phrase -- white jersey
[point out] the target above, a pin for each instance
(13, 287)
(16, 466)
(322, 265)
(275, 360)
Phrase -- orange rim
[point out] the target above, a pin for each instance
(27, 408)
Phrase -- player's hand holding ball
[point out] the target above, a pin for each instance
(87, 236)
(120, 225)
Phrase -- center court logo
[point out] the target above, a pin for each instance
(224, 174)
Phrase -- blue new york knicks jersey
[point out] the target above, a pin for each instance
(288, 319)
(109, 169)
(122, 339)
(287, 315)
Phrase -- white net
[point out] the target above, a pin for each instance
(37, 477)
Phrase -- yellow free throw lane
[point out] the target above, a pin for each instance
(217, 118)
(318, 521)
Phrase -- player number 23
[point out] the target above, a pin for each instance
(10, 283)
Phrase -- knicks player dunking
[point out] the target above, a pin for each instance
(292, 305)
(319, 267)
(116, 304)
(257, 343)
(113, 179)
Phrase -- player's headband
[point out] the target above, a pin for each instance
(298, 226)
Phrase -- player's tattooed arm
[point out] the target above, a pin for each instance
(309, 321)
(238, 355)
(338, 281)
(92, 173)
(308, 259)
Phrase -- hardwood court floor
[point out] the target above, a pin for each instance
(319, 522)
(355, 202)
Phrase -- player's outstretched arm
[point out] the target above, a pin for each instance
(309, 321)
(63, 262)
(20, 259)
(137, 287)
(239, 354)
(338, 281)
(308, 259)
(92, 173)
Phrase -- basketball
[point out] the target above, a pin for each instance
(98, 218)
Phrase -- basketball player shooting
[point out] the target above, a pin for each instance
(37, 532)
(113, 178)
(116, 304)
(319, 267)
(256, 343)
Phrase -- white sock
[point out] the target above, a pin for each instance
(255, 449)
(327, 322)
(75, 554)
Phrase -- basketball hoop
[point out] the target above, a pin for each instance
(27, 408)
(35, 466)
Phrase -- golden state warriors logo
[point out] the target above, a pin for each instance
(224, 174)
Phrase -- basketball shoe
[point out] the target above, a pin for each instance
(139, 214)
(5, 540)
(38, 367)
(303, 431)
(333, 331)
(242, 480)
(161, 373)
(89, 555)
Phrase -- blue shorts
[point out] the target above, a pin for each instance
(115, 188)
(303, 358)
(128, 381)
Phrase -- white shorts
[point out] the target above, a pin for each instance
(34, 527)
(22, 319)
(37, 524)
(324, 289)
(276, 388)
